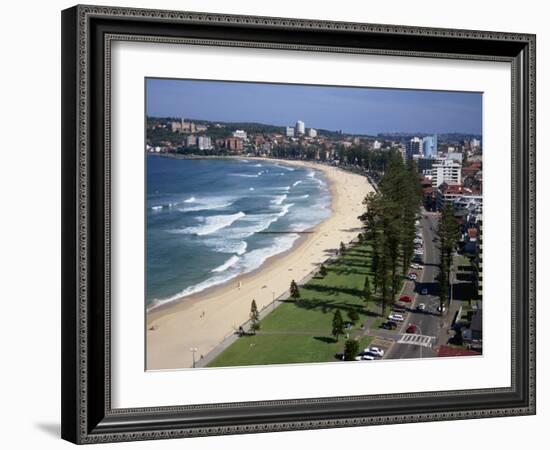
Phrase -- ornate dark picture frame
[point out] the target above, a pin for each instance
(87, 33)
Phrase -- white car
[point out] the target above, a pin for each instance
(396, 317)
(415, 266)
(367, 358)
(421, 307)
(376, 351)
(440, 309)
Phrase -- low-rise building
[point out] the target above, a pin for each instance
(241, 134)
(447, 194)
(191, 140)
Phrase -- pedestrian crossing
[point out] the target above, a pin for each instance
(416, 339)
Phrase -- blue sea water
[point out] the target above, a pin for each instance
(209, 220)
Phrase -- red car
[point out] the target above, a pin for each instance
(412, 328)
(405, 299)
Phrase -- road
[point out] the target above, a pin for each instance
(429, 323)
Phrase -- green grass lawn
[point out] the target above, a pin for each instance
(300, 331)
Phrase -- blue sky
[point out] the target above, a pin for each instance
(352, 110)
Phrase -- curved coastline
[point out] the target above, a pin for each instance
(301, 235)
(202, 320)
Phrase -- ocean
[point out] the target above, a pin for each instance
(209, 220)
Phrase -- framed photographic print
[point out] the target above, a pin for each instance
(281, 224)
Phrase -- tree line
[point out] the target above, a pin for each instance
(389, 223)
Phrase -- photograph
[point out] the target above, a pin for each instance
(299, 224)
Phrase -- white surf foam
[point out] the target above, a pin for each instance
(279, 199)
(227, 246)
(244, 175)
(213, 224)
(290, 169)
(227, 264)
(251, 261)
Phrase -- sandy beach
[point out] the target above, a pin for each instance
(203, 320)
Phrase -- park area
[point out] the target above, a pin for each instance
(300, 330)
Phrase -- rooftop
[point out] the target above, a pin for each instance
(445, 351)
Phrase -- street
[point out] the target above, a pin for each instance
(428, 322)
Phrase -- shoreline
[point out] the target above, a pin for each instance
(204, 319)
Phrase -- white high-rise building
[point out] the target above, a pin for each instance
(414, 147)
(289, 132)
(312, 133)
(446, 170)
(300, 127)
(377, 145)
(204, 143)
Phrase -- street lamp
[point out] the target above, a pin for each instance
(193, 350)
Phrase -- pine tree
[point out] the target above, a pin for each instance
(323, 271)
(353, 316)
(294, 291)
(367, 294)
(351, 349)
(254, 316)
(447, 235)
(337, 325)
(342, 248)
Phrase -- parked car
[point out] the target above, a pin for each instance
(412, 328)
(365, 358)
(424, 291)
(440, 309)
(376, 351)
(396, 317)
(398, 309)
(389, 325)
(421, 307)
(405, 299)
(412, 276)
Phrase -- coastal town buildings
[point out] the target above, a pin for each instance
(429, 146)
(446, 171)
(204, 143)
(414, 147)
(234, 144)
(241, 134)
(181, 126)
(447, 193)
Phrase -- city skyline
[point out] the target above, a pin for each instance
(353, 110)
